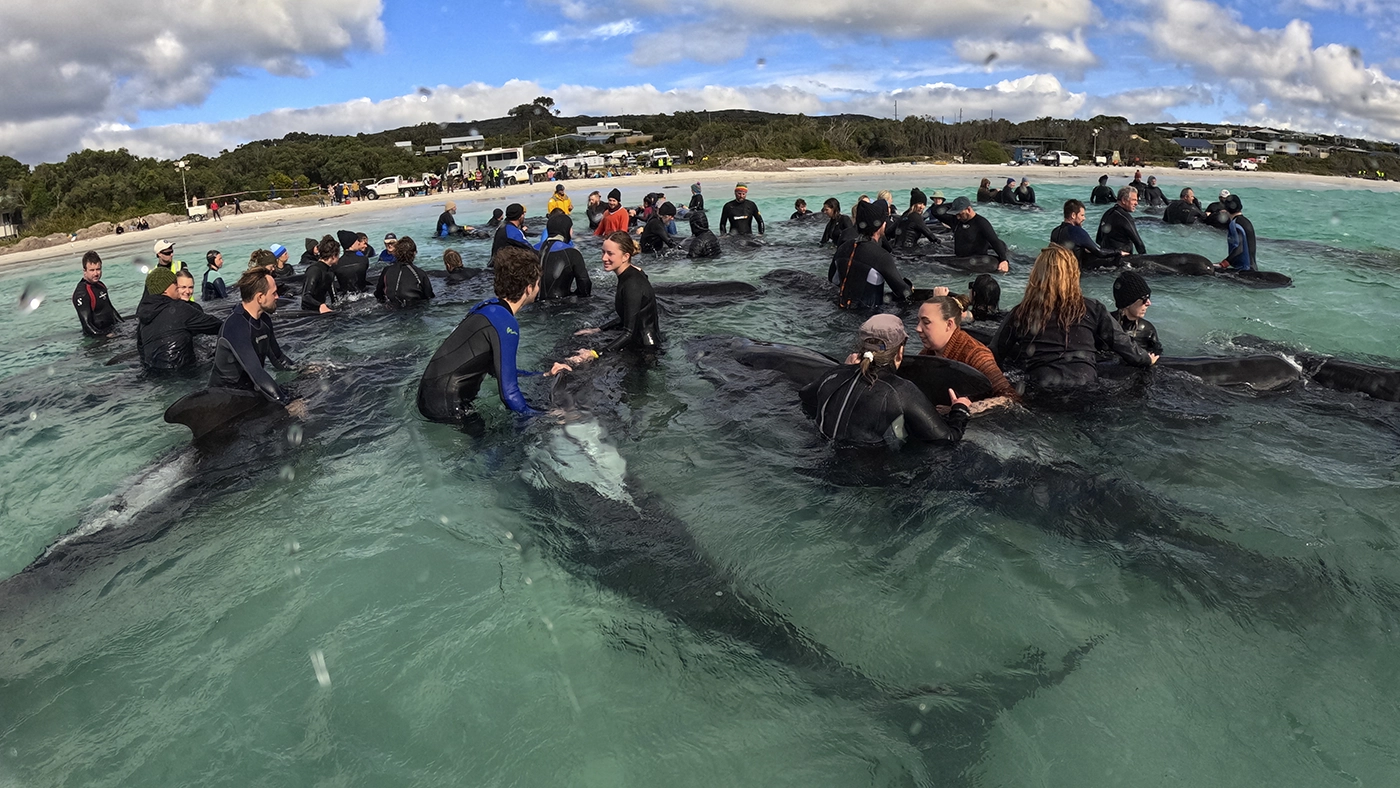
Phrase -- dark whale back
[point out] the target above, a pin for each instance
(934, 375)
(207, 410)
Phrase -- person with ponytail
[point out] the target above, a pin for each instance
(636, 321)
(858, 405)
(861, 267)
(1055, 333)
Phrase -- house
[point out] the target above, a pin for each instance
(1194, 147)
(473, 141)
(11, 221)
(1244, 146)
(1316, 151)
(1291, 148)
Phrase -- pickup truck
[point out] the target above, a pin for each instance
(1246, 164)
(522, 173)
(388, 187)
(1060, 158)
(1194, 163)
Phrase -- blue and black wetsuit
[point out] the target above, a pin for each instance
(509, 235)
(1241, 255)
(484, 343)
(243, 347)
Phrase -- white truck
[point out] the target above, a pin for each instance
(1193, 163)
(403, 187)
(1060, 158)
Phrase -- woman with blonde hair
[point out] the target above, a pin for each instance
(1056, 333)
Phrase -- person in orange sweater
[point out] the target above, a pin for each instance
(615, 219)
(938, 328)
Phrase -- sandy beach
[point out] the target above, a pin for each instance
(717, 182)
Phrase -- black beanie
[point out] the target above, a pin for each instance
(1129, 287)
(1232, 204)
(514, 211)
(560, 224)
(615, 194)
(666, 209)
(1103, 179)
(870, 216)
(917, 197)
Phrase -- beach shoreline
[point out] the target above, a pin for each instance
(718, 184)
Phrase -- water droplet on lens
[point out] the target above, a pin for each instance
(529, 582)
(288, 473)
(293, 547)
(294, 435)
(923, 707)
(549, 625)
(33, 415)
(443, 519)
(719, 593)
(31, 297)
(318, 664)
(510, 535)
(1336, 219)
(915, 728)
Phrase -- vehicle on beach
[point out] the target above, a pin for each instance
(1193, 163)
(396, 185)
(1060, 158)
(1247, 164)
(198, 213)
(1024, 155)
(522, 173)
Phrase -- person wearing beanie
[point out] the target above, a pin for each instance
(973, 235)
(166, 322)
(1132, 297)
(1137, 183)
(1117, 229)
(1008, 193)
(1240, 255)
(615, 218)
(96, 315)
(799, 211)
(512, 231)
(310, 255)
(215, 290)
(1025, 195)
(862, 267)
(447, 221)
(740, 213)
(697, 200)
(160, 281)
(656, 238)
(563, 272)
(402, 283)
(1072, 236)
(1103, 193)
(912, 225)
(702, 243)
(858, 404)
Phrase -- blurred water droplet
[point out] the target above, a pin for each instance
(294, 435)
(529, 582)
(33, 415)
(296, 570)
(923, 707)
(990, 58)
(915, 728)
(293, 547)
(51, 370)
(288, 473)
(549, 625)
(1336, 219)
(719, 593)
(443, 519)
(510, 535)
(318, 664)
(31, 297)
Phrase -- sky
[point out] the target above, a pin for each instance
(169, 77)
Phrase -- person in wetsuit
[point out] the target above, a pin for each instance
(615, 219)
(447, 221)
(861, 267)
(1103, 193)
(512, 232)
(857, 405)
(352, 270)
(1055, 333)
(985, 192)
(167, 323)
(697, 200)
(637, 320)
(912, 225)
(562, 270)
(703, 243)
(1025, 195)
(96, 315)
(594, 209)
(452, 265)
(740, 213)
(402, 283)
(1216, 215)
(386, 256)
(1117, 230)
(1137, 183)
(973, 235)
(1152, 195)
(655, 238)
(839, 227)
(1132, 297)
(318, 286)
(1239, 237)
(1186, 210)
(938, 327)
(984, 298)
(1007, 195)
(310, 255)
(1072, 236)
(942, 212)
(800, 212)
(246, 342)
(484, 343)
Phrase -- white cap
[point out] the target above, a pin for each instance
(162, 245)
(1224, 193)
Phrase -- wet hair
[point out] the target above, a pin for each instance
(405, 251)
(801, 203)
(210, 255)
(253, 283)
(986, 183)
(949, 308)
(184, 273)
(1052, 293)
(1072, 207)
(986, 297)
(516, 270)
(834, 204)
(1184, 191)
(1124, 192)
(328, 248)
(91, 258)
(451, 260)
(262, 258)
(877, 360)
(361, 237)
(624, 241)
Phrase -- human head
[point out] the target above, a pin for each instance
(1187, 194)
(184, 285)
(165, 252)
(800, 204)
(615, 199)
(938, 321)
(1073, 209)
(881, 343)
(870, 218)
(1052, 292)
(1151, 179)
(917, 198)
(517, 274)
(963, 208)
(667, 209)
(1223, 194)
(937, 197)
(1232, 204)
(886, 196)
(405, 250)
(1025, 181)
(361, 242)
(699, 222)
(214, 258)
(1103, 179)
(832, 207)
(1131, 294)
(256, 286)
(986, 183)
(260, 258)
(594, 197)
(559, 224)
(92, 266)
(1128, 197)
(1010, 181)
(558, 188)
(986, 295)
(451, 260)
(390, 240)
(160, 281)
(618, 249)
(279, 253)
(741, 191)
(328, 250)
(450, 207)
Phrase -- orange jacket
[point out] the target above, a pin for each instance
(613, 221)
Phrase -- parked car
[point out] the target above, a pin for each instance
(1194, 163)
(1060, 158)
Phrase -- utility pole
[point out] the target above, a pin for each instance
(183, 165)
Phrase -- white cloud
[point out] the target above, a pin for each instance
(1145, 105)
(603, 32)
(1049, 50)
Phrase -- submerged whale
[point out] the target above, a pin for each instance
(1379, 382)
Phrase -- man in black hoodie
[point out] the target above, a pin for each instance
(703, 243)
(402, 283)
(655, 237)
(167, 323)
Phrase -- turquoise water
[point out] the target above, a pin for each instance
(459, 650)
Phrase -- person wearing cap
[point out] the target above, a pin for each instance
(655, 237)
(861, 267)
(447, 221)
(165, 255)
(1072, 236)
(1239, 237)
(973, 235)
(215, 290)
(402, 283)
(912, 226)
(1152, 195)
(1186, 210)
(637, 316)
(615, 218)
(799, 211)
(247, 342)
(1007, 195)
(318, 286)
(702, 243)
(858, 405)
(512, 231)
(939, 329)
(1103, 193)
(166, 322)
(387, 256)
(1117, 229)
(1132, 297)
(559, 201)
(96, 315)
(1055, 333)
(1025, 195)
(740, 213)
(563, 272)
(840, 228)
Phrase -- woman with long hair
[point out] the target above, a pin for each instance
(636, 318)
(1056, 333)
(984, 191)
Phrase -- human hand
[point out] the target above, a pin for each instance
(581, 357)
(583, 332)
(297, 408)
(325, 309)
(1154, 357)
(956, 400)
(940, 291)
(557, 368)
(1003, 266)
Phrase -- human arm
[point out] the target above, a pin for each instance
(757, 217)
(724, 218)
(379, 286)
(583, 285)
(1108, 335)
(628, 317)
(994, 241)
(921, 421)
(237, 339)
(82, 302)
(504, 344)
(885, 266)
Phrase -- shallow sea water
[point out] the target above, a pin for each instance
(184, 644)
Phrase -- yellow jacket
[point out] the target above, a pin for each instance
(563, 203)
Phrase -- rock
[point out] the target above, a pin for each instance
(95, 231)
(255, 206)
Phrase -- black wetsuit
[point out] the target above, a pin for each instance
(740, 216)
(309, 256)
(1025, 195)
(976, 236)
(943, 214)
(1183, 212)
(1248, 227)
(655, 238)
(1007, 196)
(1140, 331)
(165, 333)
(352, 273)
(1152, 196)
(1118, 232)
(317, 287)
(839, 229)
(636, 313)
(96, 314)
(1056, 359)
(1103, 195)
(861, 269)
(1139, 187)
(562, 271)
(403, 284)
(802, 215)
(595, 214)
(1077, 240)
(281, 274)
(484, 343)
(446, 224)
(244, 345)
(852, 411)
(912, 227)
(985, 194)
(215, 290)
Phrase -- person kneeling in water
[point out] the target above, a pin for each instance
(938, 328)
(635, 303)
(484, 343)
(1132, 296)
(859, 404)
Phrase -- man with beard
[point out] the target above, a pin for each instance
(246, 341)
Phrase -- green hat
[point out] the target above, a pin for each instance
(158, 280)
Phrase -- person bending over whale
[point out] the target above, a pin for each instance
(447, 221)
(1056, 333)
(1239, 237)
(402, 283)
(246, 342)
(1186, 210)
(912, 225)
(938, 328)
(857, 405)
(973, 235)
(655, 238)
(839, 227)
(1103, 193)
(166, 323)
(96, 315)
(1117, 230)
(484, 343)
(703, 243)
(635, 303)
(563, 272)
(1072, 236)
(1132, 297)
(862, 267)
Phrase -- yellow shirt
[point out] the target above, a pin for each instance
(562, 203)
